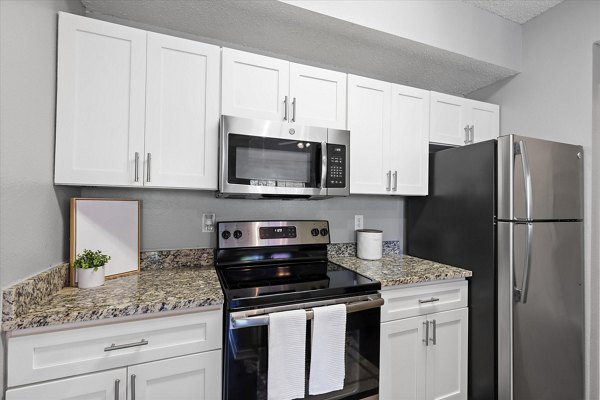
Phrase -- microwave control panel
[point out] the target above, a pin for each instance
(336, 166)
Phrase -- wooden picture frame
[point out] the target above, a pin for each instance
(109, 225)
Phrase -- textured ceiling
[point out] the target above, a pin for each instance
(519, 11)
(282, 30)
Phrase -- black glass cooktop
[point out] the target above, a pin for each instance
(253, 285)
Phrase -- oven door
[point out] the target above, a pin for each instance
(267, 158)
(246, 350)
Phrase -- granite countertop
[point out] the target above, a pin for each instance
(162, 285)
(176, 280)
(401, 269)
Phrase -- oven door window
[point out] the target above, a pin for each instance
(246, 359)
(260, 161)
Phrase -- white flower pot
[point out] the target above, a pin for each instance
(88, 278)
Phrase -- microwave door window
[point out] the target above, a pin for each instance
(259, 161)
(272, 165)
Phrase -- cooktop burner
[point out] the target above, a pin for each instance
(274, 284)
(277, 262)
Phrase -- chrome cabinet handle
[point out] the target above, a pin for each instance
(285, 108)
(472, 130)
(431, 300)
(117, 383)
(434, 332)
(294, 110)
(113, 346)
(148, 161)
(467, 134)
(132, 386)
(426, 331)
(136, 176)
(389, 180)
(395, 187)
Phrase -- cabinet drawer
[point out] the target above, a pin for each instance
(420, 300)
(45, 356)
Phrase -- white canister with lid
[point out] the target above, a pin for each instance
(369, 244)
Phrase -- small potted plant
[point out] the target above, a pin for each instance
(90, 268)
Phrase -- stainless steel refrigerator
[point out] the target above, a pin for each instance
(511, 211)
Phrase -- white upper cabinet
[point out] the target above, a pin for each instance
(458, 121)
(369, 103)
(318, 96)
(254, 86)
(182, 116)
(135, 108)
(389, 135)
(409, 140)
(485, 121)
(101, 82)
(260, 87)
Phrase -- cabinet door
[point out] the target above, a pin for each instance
(449, 118)
(485, 121)
(369, 124)
(182, 113)
(101, 80)
(318, 96)
(107, 385)
(403, 359)
(193, 377)
(254, 86)
(447, 358)
(409, 140)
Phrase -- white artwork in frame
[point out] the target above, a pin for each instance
(109, 225)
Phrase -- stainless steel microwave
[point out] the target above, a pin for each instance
(270, 159)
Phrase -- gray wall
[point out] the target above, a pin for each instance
(172, 219)
(595, 273)
(34, 214)
(552, 99)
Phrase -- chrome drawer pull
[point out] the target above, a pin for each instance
(431, 300)
(113, 346)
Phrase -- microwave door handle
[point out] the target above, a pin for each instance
(323, 164)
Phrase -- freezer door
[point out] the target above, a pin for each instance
(540, 319)
(539, 179)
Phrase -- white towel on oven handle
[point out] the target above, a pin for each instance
(327, 368)
(287, 355)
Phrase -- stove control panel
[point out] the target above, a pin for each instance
(271, 233)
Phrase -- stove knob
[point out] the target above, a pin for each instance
(324, 232)
(314, 232)
(237, 234)
(226, 235)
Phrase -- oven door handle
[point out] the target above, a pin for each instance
(242, 320)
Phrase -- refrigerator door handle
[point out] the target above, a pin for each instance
(521, 148)
(526, 271)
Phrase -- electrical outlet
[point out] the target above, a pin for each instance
(208, 222)
(358, 222)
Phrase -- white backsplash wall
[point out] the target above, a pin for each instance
(172, 219)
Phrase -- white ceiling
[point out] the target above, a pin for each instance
(285, 31)
(519, 11)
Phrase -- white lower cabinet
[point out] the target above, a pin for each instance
(192, 377)
(107, 385)
(424, 357)
(174, 357)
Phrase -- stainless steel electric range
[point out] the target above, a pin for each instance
(272, 266)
